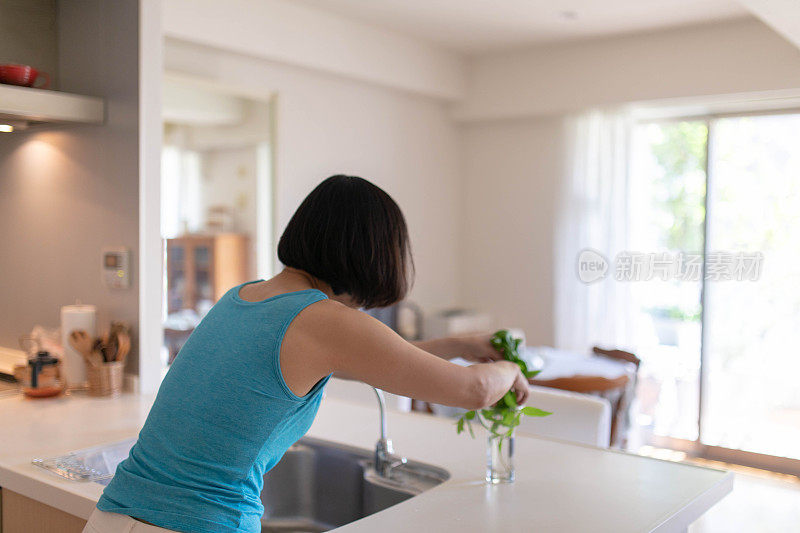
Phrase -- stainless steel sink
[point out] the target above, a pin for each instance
(320, 485)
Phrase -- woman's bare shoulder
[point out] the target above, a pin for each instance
(331, 316)
(337, 329)
(328, 335)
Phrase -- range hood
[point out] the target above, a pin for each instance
(24, 105)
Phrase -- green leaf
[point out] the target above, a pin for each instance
(532, 373)
(510, 400)
(506, 413)
(535, 411)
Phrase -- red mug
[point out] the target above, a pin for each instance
(23, 75)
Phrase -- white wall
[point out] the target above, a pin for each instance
(781, 15)
(512, 172)
(189, 104)
(732, 57)
(229, 180)
(289, 33)
(253, 130)
(327, 124)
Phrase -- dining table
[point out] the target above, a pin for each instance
(555, 363)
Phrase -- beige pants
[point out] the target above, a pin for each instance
(103, 522)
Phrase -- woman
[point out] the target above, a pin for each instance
(248, 382)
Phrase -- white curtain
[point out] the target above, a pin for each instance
(593, 215)
(181, 198)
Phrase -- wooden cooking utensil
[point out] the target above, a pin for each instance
(124, 346)
(113, 345)
(102, 347)
(82, 342)
(120, 340)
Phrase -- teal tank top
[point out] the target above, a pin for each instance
(222, 418)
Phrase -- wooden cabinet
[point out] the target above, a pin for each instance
(204, 267)
(21, 514)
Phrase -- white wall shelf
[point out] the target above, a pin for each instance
(38, 105)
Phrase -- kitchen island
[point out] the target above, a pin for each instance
(560, 487)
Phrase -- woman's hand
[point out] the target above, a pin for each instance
(501, 377)
(521, 387)
(476, 348)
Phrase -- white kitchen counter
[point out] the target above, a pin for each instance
(560, 487)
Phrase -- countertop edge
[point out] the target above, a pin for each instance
(48, 492)
(682, 518)
(338, 421)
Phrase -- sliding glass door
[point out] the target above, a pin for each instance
(751, 395)
(720, 341)
(667, 203)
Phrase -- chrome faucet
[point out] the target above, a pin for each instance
(385, 459)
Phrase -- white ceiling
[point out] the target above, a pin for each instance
(475, 26)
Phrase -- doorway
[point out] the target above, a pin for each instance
(216, 200)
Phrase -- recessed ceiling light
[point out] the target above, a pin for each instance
(6, 128)
(568, 15)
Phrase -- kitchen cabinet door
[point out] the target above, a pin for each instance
(21, 514)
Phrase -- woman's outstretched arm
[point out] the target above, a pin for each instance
(330, 337)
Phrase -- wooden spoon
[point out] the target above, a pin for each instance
(113, 345)
(123, 346)
(82, 342)
(120, 339)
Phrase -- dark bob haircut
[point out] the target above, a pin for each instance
(350, 234)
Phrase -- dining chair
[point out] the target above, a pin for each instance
(619, 355)
(629, 394)
(578, 418)
(619, 391)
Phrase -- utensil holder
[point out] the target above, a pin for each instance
(105, 379)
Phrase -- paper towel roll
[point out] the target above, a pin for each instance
(76, 317)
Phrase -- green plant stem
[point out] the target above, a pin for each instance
(501, 419)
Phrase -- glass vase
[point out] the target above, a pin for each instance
(500, 458)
